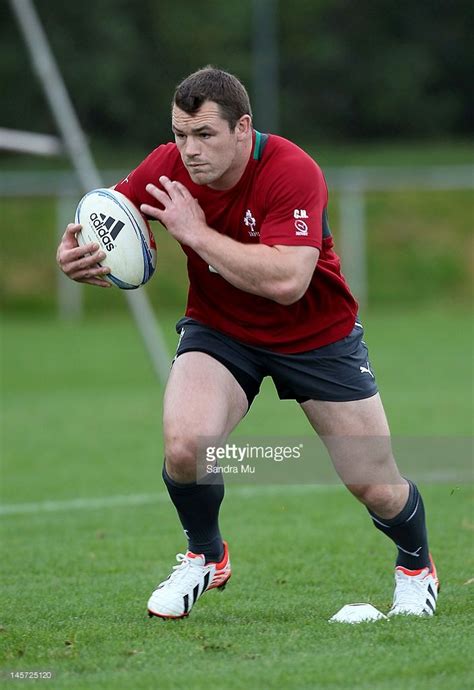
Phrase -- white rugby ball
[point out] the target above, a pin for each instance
(111, 220)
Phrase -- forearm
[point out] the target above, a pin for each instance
(280, 273)
(256, 268)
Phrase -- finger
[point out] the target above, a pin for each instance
(89, 272)
(184, 191)
(173, 187)
(90, 252)
(96, 281)
(66, 256)
(73, 228)
(152, 211)
(69, 238)
(159, 194)
(72, 261)
(71, 231)
(100, 283)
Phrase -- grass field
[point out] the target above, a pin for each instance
(87, 530)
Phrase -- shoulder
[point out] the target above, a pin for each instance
(163, 153)
(285, 158)
(164, 160)
(279, 146)
(287, 168)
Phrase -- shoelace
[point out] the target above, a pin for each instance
(180, 571)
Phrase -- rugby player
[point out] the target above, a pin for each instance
(266, 298)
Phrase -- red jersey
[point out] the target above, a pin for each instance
(281, 199)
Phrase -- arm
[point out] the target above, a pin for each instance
(280, 273)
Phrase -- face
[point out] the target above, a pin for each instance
(212, 154)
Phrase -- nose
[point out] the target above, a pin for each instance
(191, 147)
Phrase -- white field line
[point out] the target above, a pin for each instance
(144, 499)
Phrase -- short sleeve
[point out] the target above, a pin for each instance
(134, 185)
(295, 200)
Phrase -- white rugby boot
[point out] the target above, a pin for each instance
(175, 596)
(416, 591)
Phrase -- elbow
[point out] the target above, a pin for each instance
(296, 272)
(288, 292)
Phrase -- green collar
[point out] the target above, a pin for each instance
(258, 146)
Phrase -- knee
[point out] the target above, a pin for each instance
(181, 457)
(381, 499)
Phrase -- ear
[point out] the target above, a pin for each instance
(243, 127)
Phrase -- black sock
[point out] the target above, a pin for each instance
(198, 509)
(408, 531)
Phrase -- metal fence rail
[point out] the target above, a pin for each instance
(386, 178)
(351, 183)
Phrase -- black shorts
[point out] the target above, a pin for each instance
(338, 372)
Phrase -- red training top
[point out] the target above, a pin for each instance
(281, 198)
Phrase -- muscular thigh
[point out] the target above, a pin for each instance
(202, 398)
(364, 417)
(357, 436)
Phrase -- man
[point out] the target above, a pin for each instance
(266, 297)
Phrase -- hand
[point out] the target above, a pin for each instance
(80, 263)
(182, 216)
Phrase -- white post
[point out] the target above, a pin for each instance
(353, 242)
(81, 158)
(150, 331)
(54, 88)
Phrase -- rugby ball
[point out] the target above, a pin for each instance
(111, 220)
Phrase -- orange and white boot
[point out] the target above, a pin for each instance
(175, 596)
(416, 591)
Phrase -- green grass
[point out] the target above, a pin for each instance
(81, 420)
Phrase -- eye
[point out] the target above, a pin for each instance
(205, 135)
(178, 135)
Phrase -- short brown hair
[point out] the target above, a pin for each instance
(212, 84)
